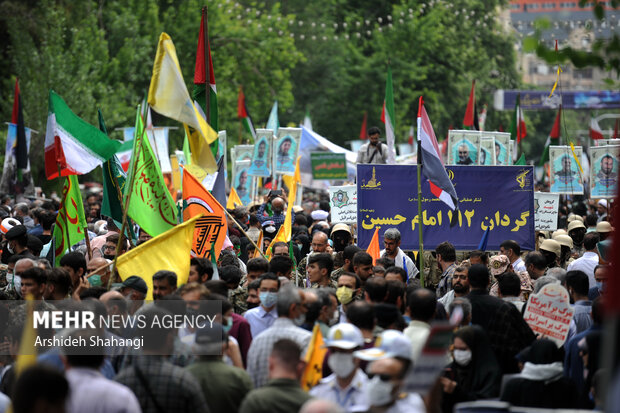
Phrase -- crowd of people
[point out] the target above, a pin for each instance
(374, 315)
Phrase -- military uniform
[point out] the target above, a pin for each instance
(527, 286)
(432, 272)
(279, 395)
(238, 299)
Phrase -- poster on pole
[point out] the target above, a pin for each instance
(286, 150)
(503, 148)
(549, 313)
(343, 203)
(546, 207)
(261, 156)
(565, 174)
(604, 171)
(241, 181)
(241, 153)
(463, 147)
(487, 150)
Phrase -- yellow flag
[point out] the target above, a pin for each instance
(168, 251)
(572, 147)
(259, 244)
(314, 360)
(27, 355)
(291, 182)
(233, 199)
(168, 95)
(280, 236)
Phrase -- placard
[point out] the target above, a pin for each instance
(261, 156)
(242, 182)
(565, 174)
(343, 203)
(549, 312)
(546, 211)
(286, 150)
(327, 165)
(463, 147)
(604, 171)
(241, 153)
(487, 151)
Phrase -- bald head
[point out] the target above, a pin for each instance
(277, 204)
(320, 406)
(319, 242)
(23, 265)
(114, 302)
(111, 295)
(97, 263)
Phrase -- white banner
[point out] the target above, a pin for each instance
(343, 203)
(546, 211)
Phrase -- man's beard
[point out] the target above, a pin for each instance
(459, 288)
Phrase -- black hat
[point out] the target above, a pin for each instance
(16, 232)
(209, 339)
(35, 245)
(135, 283)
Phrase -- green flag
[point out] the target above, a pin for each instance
(521, 160)
(186, 151)
(151, 206)
(70, 221)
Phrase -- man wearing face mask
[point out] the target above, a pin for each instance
(291, 312)
(102, 276)
(346, 386)
(263, 316)
(374, 152)
(323, 310)
(349, 289)
(341, 236)
(17, 241)
(14, 280)
(391, 359)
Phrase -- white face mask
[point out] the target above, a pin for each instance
(379, 392)
(335, 318)
(16, 281)
(462, 357)
(341, 364)
(9, 247)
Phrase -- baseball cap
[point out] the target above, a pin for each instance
(135, 283)
(341, 227)
(16, 232)
(209, 339)
(564, 240)
(604, 226)
(575, 224)
(551, 246)
(344, 336)
(498, 264)
(390, 343)
(7, 224)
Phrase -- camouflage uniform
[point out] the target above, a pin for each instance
(301, 269)
(527, 286)
(238, 299)
(336, 274)
(432, 273)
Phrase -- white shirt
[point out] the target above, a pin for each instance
(417, 332)
(447, 299)
(353, 395)
(587, 263)
(518, 265)
(412, 270)
(91, 392)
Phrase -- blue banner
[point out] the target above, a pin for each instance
(570, 99)
(497, 198)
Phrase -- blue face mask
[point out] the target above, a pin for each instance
(226, 327)
(599, 285)
(268, 299)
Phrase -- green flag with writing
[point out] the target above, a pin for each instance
(150, 205)
(70, 221)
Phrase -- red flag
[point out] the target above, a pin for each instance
(244, 115)
(595, 130)
(364, 130)
(468, 120)
(555, 131)
(17, 118)
(616, 127)
(374, 249)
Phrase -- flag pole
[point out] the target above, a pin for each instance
(205, 17)
(87, 239)
(420, 220)
(244, 233)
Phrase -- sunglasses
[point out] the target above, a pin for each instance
(382, 377)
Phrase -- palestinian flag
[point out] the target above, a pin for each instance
(555, 135)
(200, 78)
(388, 118)
(244, 114)
(71, 144)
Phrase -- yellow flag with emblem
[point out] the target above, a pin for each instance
(314, 360)
(233, 199)
(168, 251)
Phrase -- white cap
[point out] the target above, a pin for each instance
(390, 343)
(345, 336)
(7, 224)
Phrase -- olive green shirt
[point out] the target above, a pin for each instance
(278, 396)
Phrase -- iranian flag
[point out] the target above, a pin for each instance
(244, 115)
(71, 144)
(517, 125)
(200, 78)
(124, 154)
(554, 137)
(595, 130)
(387, 116)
